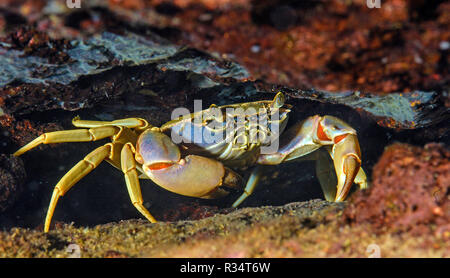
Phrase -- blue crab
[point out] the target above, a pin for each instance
(204, 168)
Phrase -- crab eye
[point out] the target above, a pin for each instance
(278, 101)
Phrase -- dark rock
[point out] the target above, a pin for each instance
(12, 178)
(33, 78)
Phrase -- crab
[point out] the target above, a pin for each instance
(207, 168)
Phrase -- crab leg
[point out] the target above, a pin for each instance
(128, 165)
(129, 122)
(325, 172)
(250, 186)
(347, 163)
(339, 138)
(75, 135)
(296, 142)
(81, 169)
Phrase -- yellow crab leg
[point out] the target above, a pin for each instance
(325, 172)
(250, 186)
(74, 135)
(128, 164)
(129, 122)
(81, 169)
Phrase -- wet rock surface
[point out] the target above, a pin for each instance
(115, 238)
(12, 178)
(46, 83)
(299, 229)
(108, 61)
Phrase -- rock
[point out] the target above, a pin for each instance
(41, 75)
(410, 192)
(300, 229)
(409, 110)
(12, 178)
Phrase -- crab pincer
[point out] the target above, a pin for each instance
(192, 175)
(345, 152)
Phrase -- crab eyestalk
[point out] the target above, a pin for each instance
(346, 152)
(193, 175)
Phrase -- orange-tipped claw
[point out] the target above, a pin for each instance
(192, 175)
(350, 170)
(347, 163)
(346, 155)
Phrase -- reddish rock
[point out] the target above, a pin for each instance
(332, 45)
(329, 45)
(35, 43)
(22, 132)
(410, 191)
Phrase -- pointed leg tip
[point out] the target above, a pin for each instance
(350, 169)
(239, 201)
(20, 151)
(235, 204)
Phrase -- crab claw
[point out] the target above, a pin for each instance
(193, 175)
(347, 163)
(346, 154)
(331, 130)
